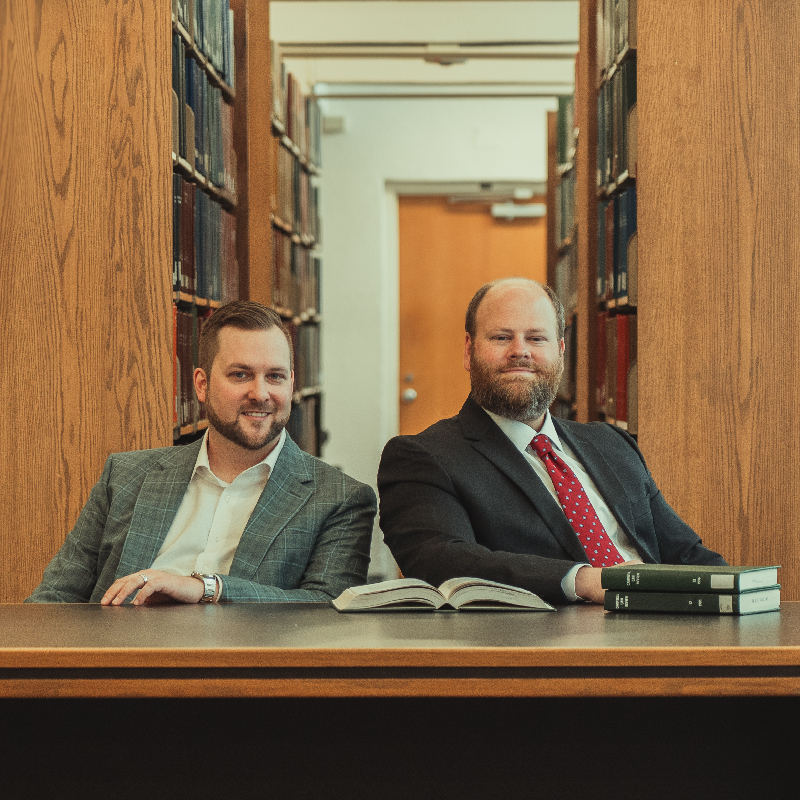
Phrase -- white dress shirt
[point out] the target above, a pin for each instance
(521, 436)
(212, 517)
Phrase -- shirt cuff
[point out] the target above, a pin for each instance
(568, 584)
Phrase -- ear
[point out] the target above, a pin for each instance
(200, 384)
(561, 347)
(467, 353)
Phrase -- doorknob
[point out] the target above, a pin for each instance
(409, 395)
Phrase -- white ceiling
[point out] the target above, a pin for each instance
(422, 47)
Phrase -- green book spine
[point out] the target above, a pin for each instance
(693, 602)
(687, 578)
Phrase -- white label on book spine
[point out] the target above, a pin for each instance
(721, 581)
(726, 604)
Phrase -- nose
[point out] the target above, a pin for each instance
(259, 390)
(520, 347)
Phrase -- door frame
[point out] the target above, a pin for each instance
(490, 191)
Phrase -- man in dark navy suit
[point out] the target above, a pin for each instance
(506, 492)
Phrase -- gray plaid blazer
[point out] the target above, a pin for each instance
(307, 539)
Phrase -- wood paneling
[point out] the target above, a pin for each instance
(586, 214)
(719, 247)
(254, 146)
(85, 259)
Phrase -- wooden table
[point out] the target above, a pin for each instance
(310, 650)
(299, 701)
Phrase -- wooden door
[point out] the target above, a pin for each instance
(447, 252)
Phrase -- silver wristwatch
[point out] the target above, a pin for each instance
(209, 586)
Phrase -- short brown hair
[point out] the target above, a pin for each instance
(246, 315)
(472, 308)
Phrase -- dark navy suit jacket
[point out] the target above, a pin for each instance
(460, 500)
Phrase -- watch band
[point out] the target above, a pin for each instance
(209, 587)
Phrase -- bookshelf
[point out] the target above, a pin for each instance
(86, 243)
(85, 255)
(205, 270)
(563, 245)
(289, 279)
(611, 393)
(711, 154)
(295, 126)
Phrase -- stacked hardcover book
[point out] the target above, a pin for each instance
(691, 589)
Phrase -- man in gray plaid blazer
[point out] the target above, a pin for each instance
(241, 515)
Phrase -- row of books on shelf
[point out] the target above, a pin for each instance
(295, 276)
(295, 114)
(204, 244)
(616, 31)
(305, 348)
(209, 27)
(565, 130)
(565, 282)
(617, 127)
(566, 389)
(187, 409)
(297, 198)
(202, 130)
(565, 207)
(617, 370)
(617, 248)
(691, 589)
(304, 425)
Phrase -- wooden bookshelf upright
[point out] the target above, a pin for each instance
(85, 259)
(86, 247)
(253, 154)
(718, 244)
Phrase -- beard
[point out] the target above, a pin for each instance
(518, 397)
(235, 432)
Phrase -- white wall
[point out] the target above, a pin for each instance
(491, 20)
(395, 140)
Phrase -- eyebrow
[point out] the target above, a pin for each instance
(512, 330)
(250, 368)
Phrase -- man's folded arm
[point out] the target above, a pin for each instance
(339, 559)
(428, 529)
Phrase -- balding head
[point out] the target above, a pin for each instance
(525, 286)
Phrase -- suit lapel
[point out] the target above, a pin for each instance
(287, 491)
(605, 478)
(493, 444)
(157, 504)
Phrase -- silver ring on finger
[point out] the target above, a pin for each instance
(144, 579)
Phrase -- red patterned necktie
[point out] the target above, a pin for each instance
(580, 512)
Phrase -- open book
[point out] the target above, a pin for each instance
(467, 594)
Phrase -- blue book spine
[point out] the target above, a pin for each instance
(621, 267)
(601, 249)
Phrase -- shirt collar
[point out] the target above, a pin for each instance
(522, 434)
(256, 470)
